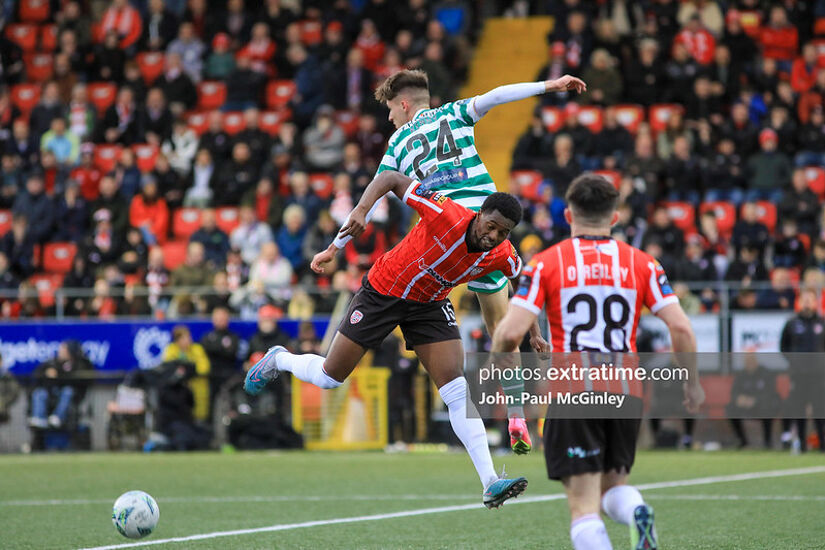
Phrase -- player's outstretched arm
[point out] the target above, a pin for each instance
(684, 346)
(515, 92)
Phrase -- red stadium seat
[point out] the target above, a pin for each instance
(24, 36)
(659, 115)
(348, 121)
(48, 38)
(34, 11)
(227, 219)
(174, 253)
(186, 221)
(211, 95)
(271, 121)
(39, 66)
(145, 156)
(58, 257)
(105, 157)
(5, 221)
(683, 215)
(766, 213)
(751, 21)
(233, 122)
(25, 97)
(725, 215)
(199, 122)
(816, 180)
(311, 32)
(102, 95)
(553, 118)
(278, 93)
(151, 65)
(630, 116)
(591, 117)
(819, 44)
(528, 183)
(46, 285)
(321, 184)
(819, 26)
(613, 176)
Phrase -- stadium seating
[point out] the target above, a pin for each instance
(151, 65)
(58, 257)
(278, 93)
(591, 117)
(553, 118)
(48, 38)
(630, 116)
(816, 180)
(766, 214)
(145, 156)
(23, 35)
(725, 214)
(613, 176)
(186, 221)
(34, 11)
(271, 121)
(683, 215)
(105, 157)
(102, 95)
(311, 32)
(5, 221)
(25, 97)
(659, 114)
(199, 122)
(321, 183)
(211, 95)
(528, 183)
(174, 253)
(46, 285)
(348, 121)
(233, 123)
(39, 66)
(227, 219)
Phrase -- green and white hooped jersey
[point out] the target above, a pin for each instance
(437, 147)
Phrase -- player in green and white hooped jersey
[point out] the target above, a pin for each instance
(437, 146)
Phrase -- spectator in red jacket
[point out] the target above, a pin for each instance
(124, 20)
(149, 213)
(697, 40)
(261, 50)
(779, 39)
(803, 70)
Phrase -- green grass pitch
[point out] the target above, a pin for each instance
(64, 501)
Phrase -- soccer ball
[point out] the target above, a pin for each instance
(135, 514)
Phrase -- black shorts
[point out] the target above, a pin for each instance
(372, 316)
(574, 446)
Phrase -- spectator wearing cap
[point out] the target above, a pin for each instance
(244, 86)
(214, 240)
(779, 39)
(160, 27)
(220, 63)
(37, 208)
(149, 213)
(268, 333)
(191, 49)
(72, 214)
(124, 21)
(769, 171)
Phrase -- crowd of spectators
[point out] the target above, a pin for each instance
(708, 116)
(138, 115)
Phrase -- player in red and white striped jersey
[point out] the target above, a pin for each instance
(594, 289)
(408, 287)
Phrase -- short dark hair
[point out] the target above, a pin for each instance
(506, 204)
(393, 85)
(592, 199)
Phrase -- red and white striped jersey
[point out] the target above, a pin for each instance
(594, 289)
(433, 257)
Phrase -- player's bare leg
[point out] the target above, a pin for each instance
(325, 372)
(444, 362)
(493, 308)
(587, 529)
(624, 504)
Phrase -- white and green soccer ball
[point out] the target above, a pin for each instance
(135, 514)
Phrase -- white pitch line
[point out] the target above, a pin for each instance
(785, 498)
(251, 498)
(459, 508)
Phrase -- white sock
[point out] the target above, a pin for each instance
(620, 501)
(588, 533)
(470, 431)
(307, 367)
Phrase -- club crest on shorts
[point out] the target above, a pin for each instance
(356, 317)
